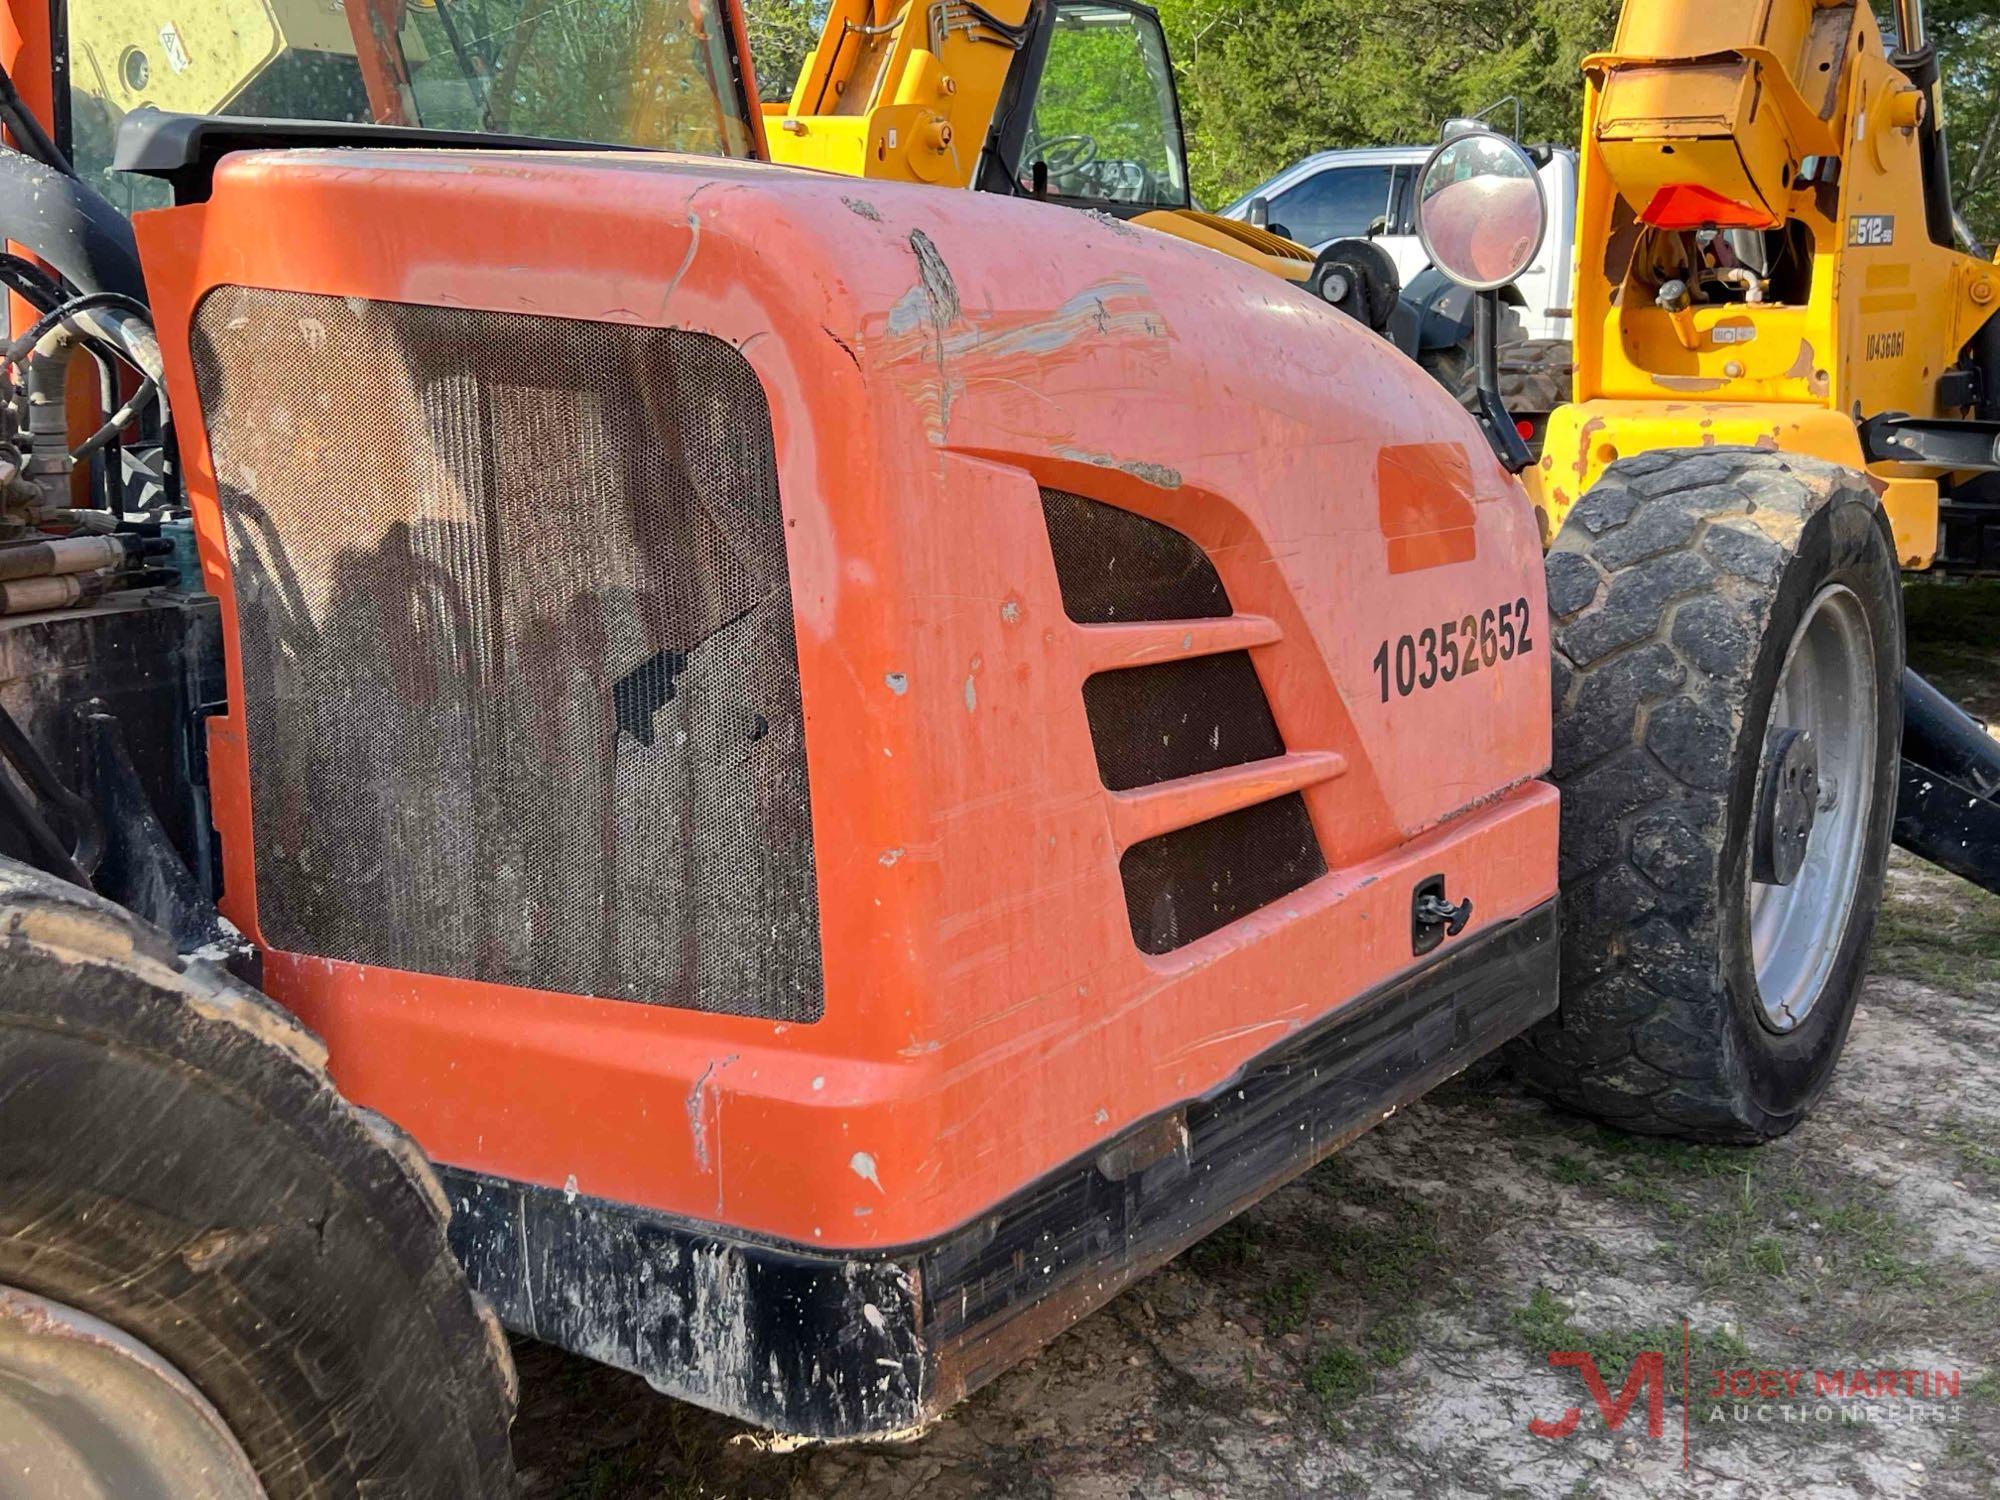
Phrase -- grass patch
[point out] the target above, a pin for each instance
(1286, 1304)
(1868, 1240)
(1937, 929)
(1666, 1175)
(1767, 1254)
(1400, 1241)
(1236, 1246)
(1378, 1258)
(1391, 1341)
(1977, 1146)
(1663, 1158)
(1364, 1258)
(1336, 1178)
(1547, 1324)
(1338, 1374)
(1952, 626)
(1571, 1172)
(1965, 1452)
(1773, 1225)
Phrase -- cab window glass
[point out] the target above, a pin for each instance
(1104, 120)
(630, 72)
(1333, 204)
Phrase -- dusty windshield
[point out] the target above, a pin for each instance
(659, 73)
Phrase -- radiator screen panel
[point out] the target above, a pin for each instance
(519, 669)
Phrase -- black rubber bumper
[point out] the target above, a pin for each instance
(832, 1345)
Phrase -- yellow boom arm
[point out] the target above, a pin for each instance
(900, 90)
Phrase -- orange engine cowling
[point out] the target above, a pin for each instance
(856, 763)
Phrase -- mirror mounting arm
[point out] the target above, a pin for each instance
(1501, 432)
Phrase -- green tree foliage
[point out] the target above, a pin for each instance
(1095, 85)
(1264, 82)
(1967, 36)
(782, 32)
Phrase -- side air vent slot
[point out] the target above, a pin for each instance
(1167, 721)
(1178, 718)
(1184, 885)
(1115, 566)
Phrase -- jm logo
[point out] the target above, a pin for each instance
(1648, 1373)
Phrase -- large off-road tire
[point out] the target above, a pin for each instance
(1700, 600)
(1535, 375)
(196, 1230)
(1454, 367)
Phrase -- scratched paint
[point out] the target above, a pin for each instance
(947, 355)
(1160, 475)
(1689, 383)
(687, 258)
(697, 1107)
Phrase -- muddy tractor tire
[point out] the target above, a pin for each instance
(1728, 660)
(217, 1276)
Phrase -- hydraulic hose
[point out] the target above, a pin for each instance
(64, 221)
(34, 140)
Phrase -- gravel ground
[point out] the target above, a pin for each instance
(1383, 1325)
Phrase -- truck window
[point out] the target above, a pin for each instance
(1403, 203)
(1332, 204)
(630, 72)
(1106, 122)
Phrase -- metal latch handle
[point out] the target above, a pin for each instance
(1433, 910)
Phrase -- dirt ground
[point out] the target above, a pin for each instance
(1383, 1325)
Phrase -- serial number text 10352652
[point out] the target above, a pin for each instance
(1457, 648)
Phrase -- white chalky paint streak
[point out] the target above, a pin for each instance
(864, 1168)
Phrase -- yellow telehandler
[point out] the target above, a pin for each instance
(1775, 302)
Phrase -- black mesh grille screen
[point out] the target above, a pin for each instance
(1114, 565)
(1178, 718)
(1182, 886)
(516, 633)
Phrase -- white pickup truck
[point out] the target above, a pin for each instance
(1370, 193)
(1335, 195)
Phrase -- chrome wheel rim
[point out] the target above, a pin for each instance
(1827, 690)
(87, 1410)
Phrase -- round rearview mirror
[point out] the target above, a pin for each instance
(1480, 210)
